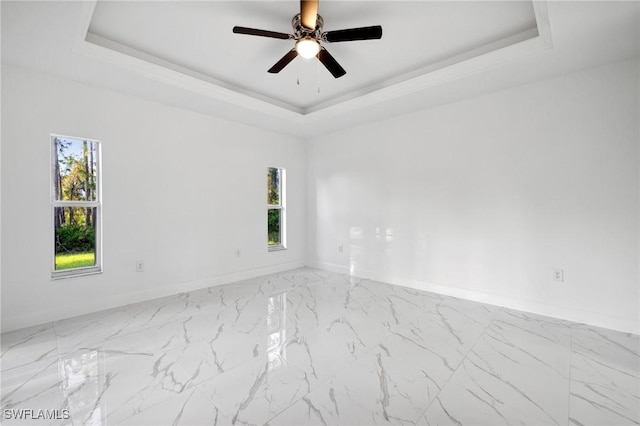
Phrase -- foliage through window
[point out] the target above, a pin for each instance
(275, 208)
(75, 194)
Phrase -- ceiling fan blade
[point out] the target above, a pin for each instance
(261, 33)
(309, 13)
(351, 34)
(283, 62)
(330, 63)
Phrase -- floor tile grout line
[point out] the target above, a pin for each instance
(444, 385)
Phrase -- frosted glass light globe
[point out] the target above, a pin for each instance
(307, 47)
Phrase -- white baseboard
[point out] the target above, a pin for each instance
(57, 313)
(583, 316)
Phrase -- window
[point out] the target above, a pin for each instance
(76, 206)
(276, 223)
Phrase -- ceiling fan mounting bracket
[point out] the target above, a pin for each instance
(300, 31)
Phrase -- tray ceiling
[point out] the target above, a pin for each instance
(196, 38)
(184, 53)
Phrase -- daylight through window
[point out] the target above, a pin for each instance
(76, 207)
(276, 208)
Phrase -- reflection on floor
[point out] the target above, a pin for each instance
(313, 347)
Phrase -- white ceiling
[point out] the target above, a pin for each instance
(198, 37)
(184, 53)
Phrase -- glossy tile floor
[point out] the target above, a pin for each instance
(313, 347)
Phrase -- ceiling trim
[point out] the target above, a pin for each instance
(443, 72)
(471, 62)
(91, 45)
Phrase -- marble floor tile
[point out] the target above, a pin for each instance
(326, 406)
(517, 373)
(94, 329)
(188, 408)
(22, 347)
(306, 347)
(255, 392)
(605, 377)
(202, 360)
(111, 386)
(36, 386)
(324, 351)
(395, 381)
(449, 328)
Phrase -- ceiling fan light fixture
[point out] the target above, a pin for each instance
(307, 47)
(308, 35)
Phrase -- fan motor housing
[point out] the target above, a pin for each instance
(300, 31)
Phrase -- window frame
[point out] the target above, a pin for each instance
(97, 204)
(282, 207)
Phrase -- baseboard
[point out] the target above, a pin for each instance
(583, 316)
(331, 267)
(63, 312)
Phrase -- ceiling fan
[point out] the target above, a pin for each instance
(308, 35)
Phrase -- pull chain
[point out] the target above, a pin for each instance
(318, 74)
(298, 71)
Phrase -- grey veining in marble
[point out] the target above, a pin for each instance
(309, 347)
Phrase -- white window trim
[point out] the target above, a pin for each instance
(283, 211)
(90, 270)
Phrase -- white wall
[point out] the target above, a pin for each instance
(477, 199)
(0, 164)
(482, 198)
(181, 191)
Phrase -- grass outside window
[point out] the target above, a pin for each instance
(75, 260)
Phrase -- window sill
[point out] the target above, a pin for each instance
(60, 275)
(277, 248)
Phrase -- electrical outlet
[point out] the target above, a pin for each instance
(558, 275)
(340, 248)
(140, 266)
